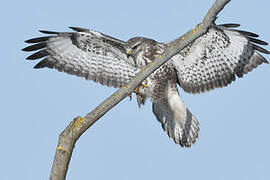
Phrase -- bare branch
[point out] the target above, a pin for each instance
(76, 128)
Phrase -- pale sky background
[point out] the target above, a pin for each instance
(127, 143)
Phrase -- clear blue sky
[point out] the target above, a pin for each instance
(128, 142)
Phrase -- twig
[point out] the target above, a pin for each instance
(79, 125)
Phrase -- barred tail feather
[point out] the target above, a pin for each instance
(176, 119)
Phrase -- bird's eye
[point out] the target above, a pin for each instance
(135, 47)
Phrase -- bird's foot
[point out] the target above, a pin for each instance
(136, 90)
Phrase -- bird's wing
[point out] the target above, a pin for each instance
(175, 117)
(84, 53)
(215, 58)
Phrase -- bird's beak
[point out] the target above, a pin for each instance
(128, 52)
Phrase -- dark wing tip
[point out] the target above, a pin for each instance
(37, 40)
(38, 55)
(44, 63)
(260, 49)
(246, 33)
(41, 64)
(48, 32)
(78, 29)
(35, 47)
(230, 25)
(258, 41)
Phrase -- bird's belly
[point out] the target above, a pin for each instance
(156, 84)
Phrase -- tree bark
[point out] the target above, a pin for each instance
(79, 125)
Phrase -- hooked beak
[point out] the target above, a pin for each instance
(128, 53)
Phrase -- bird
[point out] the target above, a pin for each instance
(213, 60)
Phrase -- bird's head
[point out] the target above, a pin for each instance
(134, 46)
(143, 50)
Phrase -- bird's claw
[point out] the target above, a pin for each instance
(144, 85)
(137, 89)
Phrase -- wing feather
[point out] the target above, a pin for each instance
(215, 58)
(35, 47)
(84, 53)
(39, 39)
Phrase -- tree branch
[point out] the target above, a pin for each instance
(79, 125)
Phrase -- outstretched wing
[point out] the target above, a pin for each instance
(84, 53)
(215, 58)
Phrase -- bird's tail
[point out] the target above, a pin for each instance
(176, 119)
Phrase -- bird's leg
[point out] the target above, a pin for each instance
(136, 90)
(140, 97)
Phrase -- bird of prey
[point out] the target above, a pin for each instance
(213, 60)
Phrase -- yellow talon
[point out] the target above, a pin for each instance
(136, 90)
(144, 85)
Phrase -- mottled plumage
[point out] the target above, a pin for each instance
(209, 62)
